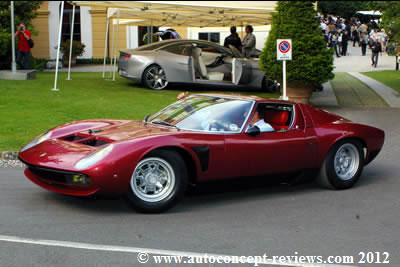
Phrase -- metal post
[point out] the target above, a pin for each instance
(116, 47)
(70, 43)
(106, 45)
(13, 63)
(58, 46)
(397, 62)
(284, 96)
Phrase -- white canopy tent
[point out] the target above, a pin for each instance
(171, 13)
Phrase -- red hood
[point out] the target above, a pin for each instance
(131, 130)
(63, 150)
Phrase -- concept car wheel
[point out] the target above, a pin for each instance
(158, 182)
(154, 77)
(343, 165)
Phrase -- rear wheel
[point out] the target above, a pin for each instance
(158, 182)
(154, 77)
(343, 165)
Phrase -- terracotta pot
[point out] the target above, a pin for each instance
(299, 93)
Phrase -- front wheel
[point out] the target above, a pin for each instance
(154, 77)
(343, 165)
(158, 182)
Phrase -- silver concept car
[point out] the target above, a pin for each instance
(191, 61)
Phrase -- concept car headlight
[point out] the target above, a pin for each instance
(93, 158)
(37, 140)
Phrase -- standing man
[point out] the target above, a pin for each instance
(24, 50)
(233, 39)
(249, 42)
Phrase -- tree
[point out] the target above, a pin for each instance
(312, 62)
(24, 11)
(390, 18)
(345, 9)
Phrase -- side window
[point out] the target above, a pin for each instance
(181, 49)
(210, 49)
(273, 117)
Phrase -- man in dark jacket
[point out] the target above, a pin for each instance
(376, 48)
(233, 39)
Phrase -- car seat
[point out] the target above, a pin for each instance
(278, 119)
(201, 68)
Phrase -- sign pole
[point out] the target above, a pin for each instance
(284, 53)
(284, 97)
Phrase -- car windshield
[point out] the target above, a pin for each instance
(205, 113)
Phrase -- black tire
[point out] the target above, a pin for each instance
(328, 176)
(149, 73)
(177, 191)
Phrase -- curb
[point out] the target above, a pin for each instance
(9, 155)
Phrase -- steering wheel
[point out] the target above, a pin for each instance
(219, 60)
(217, 125)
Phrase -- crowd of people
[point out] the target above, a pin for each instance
(339, 32)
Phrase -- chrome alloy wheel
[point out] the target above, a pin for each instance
(346, 161)
(156, 78)
(153, 179)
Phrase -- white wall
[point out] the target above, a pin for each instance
(132, 37)
(54, 20)
(86, 32)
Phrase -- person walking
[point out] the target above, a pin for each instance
(249, 42)
(23, 37)
(233, 39)
(364, 42)
(376, 48)
(333, 40)
(345, 40)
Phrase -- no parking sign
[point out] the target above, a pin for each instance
(284, 49)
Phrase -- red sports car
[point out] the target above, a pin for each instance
(196, 139)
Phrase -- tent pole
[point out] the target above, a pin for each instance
(70, 43)
(106, 45)
(13, 63)
(58, 46)
(116, 47)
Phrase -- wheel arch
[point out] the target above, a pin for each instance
(351, 138)
(186, 156)
(147, 67)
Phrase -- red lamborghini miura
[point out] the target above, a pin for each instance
(196, 139)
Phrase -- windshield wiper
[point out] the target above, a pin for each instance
(161, 122)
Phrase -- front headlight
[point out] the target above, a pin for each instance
(93, 158)
(37, 140)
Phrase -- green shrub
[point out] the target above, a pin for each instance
(312, 61)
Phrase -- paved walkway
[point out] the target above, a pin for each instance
(355, 62)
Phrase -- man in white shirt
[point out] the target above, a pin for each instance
(258, 120)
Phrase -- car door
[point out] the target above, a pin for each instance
(273, 152)
(241, 71)
(175, 59)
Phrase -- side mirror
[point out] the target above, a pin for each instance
(253, 130)
(146, 117)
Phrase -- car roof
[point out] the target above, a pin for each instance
(247, 97)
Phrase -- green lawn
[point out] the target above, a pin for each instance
(28, 108)
(389, 77)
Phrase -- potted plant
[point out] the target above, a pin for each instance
(78, 49)
(312, 61)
